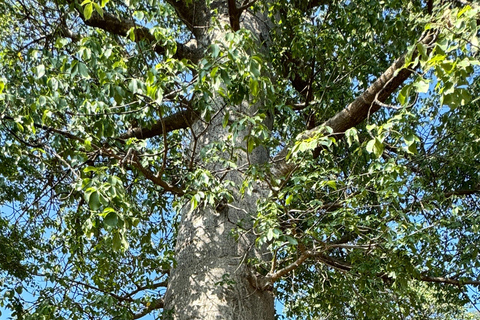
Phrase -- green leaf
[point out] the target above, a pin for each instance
(53, 83)
(134, 86)
(135, 222)
(46, 114)
(403, 94)
(332, 184)
(273, 233)
(422, 49)
(458, 97)
(131, 33)
(214, 72)
(375, 146)
(409, 139)
(2, 85)
(193, 203)
(250, 145)
(18, 122)
(255, 68)
(103, 199)
(98, 9)
(229, 36)
(107, 53)
(411, 143)
(352, 136)
(39, 71)
(289, 199)
(225, 119)
(42, 101)
(111, 219)
(436, 60)
(82, 69)
(465, 9)
(93, 169)
(292, 240)
(421, 86)
(116, 242)
(215, 50)
(474, 43)
(370, 145)
(94, 201)
(412, 148)
(254, 87)
(87, 11)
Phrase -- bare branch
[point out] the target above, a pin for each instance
(154, 178)
(155, 305)
(332, 262)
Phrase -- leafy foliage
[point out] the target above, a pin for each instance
(101, 151)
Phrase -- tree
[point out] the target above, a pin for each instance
(197, 159)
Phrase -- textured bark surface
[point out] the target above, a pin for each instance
(211, 278)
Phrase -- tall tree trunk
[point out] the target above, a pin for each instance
(212, 279)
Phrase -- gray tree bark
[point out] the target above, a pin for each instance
(212, 279)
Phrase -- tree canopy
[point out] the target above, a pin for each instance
(330, 148)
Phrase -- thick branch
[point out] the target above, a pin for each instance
(380, 90)
(334, 263)
(450, 281)
(194, 13)
(463, 192)
(155, 305)
(120, 26)
(234, 15)
(179, 120)
(363, 106)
